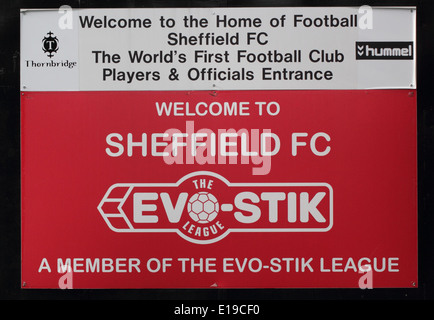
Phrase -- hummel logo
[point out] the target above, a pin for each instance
(384, 50)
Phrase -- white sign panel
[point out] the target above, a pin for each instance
(218, 49)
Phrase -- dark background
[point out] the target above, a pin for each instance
(10, 237)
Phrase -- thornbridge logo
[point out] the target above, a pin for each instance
(50, 44)
(384, 50)
(204, 207)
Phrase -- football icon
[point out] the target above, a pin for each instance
(203, 207)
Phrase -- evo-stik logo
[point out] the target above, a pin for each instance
(204, 207)
(384, 50)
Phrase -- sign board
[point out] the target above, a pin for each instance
(227, 148)
(218, 49)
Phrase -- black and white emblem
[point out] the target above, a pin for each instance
(50, 44)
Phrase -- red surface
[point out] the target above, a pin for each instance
(371, 167)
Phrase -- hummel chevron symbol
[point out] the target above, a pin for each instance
(360, 50)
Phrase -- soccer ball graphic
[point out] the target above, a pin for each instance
(203, 207)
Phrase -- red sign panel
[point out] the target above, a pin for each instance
(233, 189)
